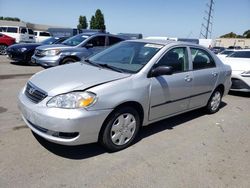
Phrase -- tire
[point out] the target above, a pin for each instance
(67, 60)
(214, 102)
(120, 129)
(3, 48)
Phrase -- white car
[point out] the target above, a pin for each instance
(240, 64)
(21, 34)
(41, 36)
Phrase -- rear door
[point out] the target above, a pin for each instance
(170, 94)
(205, 74)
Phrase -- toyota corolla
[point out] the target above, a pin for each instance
(108, 97)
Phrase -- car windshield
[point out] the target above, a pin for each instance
(50, 40)
(240, 54)
(74, 41)
(127, 56)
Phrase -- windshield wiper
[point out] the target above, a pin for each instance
(92, 63)
(111, 67)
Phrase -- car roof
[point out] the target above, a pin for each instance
(165, 42)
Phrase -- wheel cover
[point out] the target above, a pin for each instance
(215, 102)
(123, 129)
(3, 49)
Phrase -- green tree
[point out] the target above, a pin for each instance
(10, 19)
(82, 23)
(229, 35)
(99, 20)
(246, 34)
(92, 23)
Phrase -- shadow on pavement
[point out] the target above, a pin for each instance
(91, 150)
(19, 63)
(239, 94)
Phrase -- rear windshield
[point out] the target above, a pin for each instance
(44, 34)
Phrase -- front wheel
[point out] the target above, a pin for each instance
(67, 60)
(214, 102)
(120, 129)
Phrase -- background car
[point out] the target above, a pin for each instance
(21, 34)
(225, 53)
(239, 61)
(109, 96)
(23, 52)
(5, 41)
(74, 49)
(41, 36)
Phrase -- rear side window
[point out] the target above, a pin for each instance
(35, 33)
(114, 40)
(44, 34)
(3, 29)
(201, 59)
(12, 29)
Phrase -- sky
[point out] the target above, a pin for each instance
(171, 18)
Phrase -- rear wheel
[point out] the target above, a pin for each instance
(3, 48)
(120, 129)
(68, 60)
(214, 102)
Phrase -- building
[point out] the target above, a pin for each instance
(226, 42)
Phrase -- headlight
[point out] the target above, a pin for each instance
(245, 74)
(52, 52)
(22, 49)
(73, 100)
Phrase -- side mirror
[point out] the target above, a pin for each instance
(89, 45)
(161, 70)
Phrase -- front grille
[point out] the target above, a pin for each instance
(239, 84)
(39, 53)
(64, 135)
(35, 94)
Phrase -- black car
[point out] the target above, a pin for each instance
(23, 52)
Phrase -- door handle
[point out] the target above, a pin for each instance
(188, 78)
(215, 74)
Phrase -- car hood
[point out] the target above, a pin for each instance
(75, 76)
(54, 46)
(237, 64)
(25, 45)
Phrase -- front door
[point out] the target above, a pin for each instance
(170, 93)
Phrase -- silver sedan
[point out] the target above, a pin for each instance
(108, 97)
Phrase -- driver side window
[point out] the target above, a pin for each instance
(177, 58)
(97, 41)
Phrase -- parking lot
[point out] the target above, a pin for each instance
(190, 150)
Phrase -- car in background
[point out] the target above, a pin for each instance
(240, 63)
(41, 36)
(21, 34)
(22, 52)
(109, 96)
(5, 41)
(217, 49)
(73, 49)
(225, 53)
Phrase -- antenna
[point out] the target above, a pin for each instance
(206, 26)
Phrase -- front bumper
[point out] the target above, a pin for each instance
(46, 61)
(17, 56)
(62, 126)
(240, 83)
